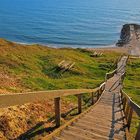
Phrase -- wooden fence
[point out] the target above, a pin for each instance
(110, 74)
(129, 108)
(7, 100)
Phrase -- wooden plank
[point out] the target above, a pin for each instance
(57, 108)
(7, 100)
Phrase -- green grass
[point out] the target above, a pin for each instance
(34, 67)
(132, 80)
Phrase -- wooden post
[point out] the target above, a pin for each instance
(124, 103)
(129, 119)
(100, 91)
(79, 103)
(92, 98)
(98, 94)
(57, 111)
(138, 134)
(127, 111)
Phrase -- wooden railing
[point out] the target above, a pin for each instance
(7, 100)
(129, 108)
(110, 74)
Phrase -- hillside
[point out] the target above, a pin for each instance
(34, 67)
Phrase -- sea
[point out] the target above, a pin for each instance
(66, 23)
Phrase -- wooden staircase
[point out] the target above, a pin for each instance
(106, 120)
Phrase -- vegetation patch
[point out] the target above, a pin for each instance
(34, 67)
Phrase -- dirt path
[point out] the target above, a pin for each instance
(106, 120)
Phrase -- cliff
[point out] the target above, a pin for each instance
(129, 33)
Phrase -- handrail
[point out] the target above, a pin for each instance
(110, 74)
(7, 100)
(131, 103)
(12, 99)
(129, 106)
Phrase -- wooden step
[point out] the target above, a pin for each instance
(94, 129)
(86, 133)
(68, 135)
(91, 124)
(108, 124)
(57, 138)
(98, 129)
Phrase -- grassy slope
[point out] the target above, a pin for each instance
(132, 80)
(28, 68)
(33, 67)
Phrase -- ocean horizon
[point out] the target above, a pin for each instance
(79, 23)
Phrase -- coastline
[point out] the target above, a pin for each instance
(96, 46)
(112, 47)
(101, 48)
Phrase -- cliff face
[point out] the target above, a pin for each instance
(130, 39)
(129, 33)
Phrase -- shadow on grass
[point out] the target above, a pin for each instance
(33, 132)
(39, 129)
